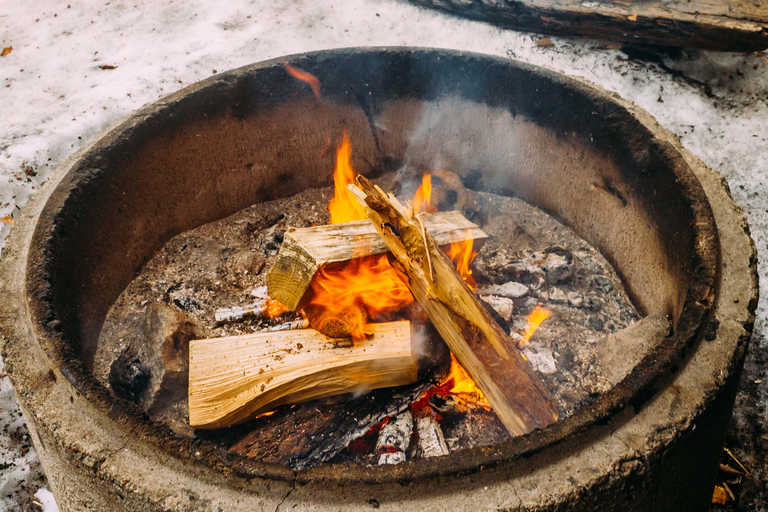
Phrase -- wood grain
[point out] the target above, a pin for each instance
(305, 250)
(232, 379)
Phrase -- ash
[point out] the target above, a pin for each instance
(529, 260)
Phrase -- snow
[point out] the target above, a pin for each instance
(54, 97)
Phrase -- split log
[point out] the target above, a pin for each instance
(231, 379)
(483, 349)
(305, 250)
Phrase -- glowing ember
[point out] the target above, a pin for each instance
(538, 315)
(462, 382)
(344, 207)
(304, 77)
(423, 196)
(462, 255)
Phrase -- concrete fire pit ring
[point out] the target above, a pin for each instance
(651, 444)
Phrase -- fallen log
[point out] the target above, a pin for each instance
(232, 379)
(483, 349)
(305, 250)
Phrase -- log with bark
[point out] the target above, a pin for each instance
(318, 431)
(232, 379)
(305, 250)
(517, 396)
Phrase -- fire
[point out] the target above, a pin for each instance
(462, 255)
(344, 207)
(274, 308)
(422, 198)
(313, 82)
(538, 315)
(370, 281)
(462, 382)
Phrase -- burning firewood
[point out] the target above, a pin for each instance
(431, 440)
(305, 250)
(484, 350)
(231, 379)
(394, 439)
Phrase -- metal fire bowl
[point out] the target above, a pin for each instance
(596, 162)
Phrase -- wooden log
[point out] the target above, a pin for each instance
(232, 379)
(736, 25)
(394, 439)
(305, 250)
(318, 431)
(484, 350)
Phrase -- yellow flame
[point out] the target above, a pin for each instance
(344, 207)
(538, 315)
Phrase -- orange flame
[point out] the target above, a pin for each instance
(423, 196)
(313, 82)
(371, 280)
(274, 308)
(462, 255)
(344, 207)
(462, 382)
(538, 315)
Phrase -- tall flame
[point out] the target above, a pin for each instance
(538, 315)
(371, 280)
(422, 198)
(344, 207)
(302, 75)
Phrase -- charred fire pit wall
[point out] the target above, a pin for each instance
(596, 162)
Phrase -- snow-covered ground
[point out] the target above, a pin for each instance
(55, 97)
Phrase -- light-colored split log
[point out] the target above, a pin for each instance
(232, 379)
(517, 396)
(305, 250)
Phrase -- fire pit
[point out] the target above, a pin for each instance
(664, 222)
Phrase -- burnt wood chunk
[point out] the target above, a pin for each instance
(231, 379)
(478, 342)
(736, 25)
(305, 250)
(318, 431)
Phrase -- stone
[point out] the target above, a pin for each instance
(503, 305)
(167, 332)
(511, 289)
